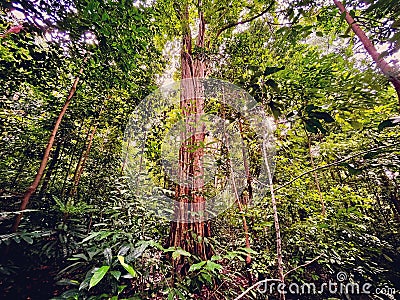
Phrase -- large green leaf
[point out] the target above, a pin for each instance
(127, 267)
(212, 266)
(98, 276)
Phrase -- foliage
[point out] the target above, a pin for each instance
(86, 235)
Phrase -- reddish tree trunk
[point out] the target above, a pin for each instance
(49, 172)
(45, 159)
(386, 69)
(189, 230)
(81, 164)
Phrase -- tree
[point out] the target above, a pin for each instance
(46, 155)
(191, 236)
(337, 148)
(391, 73)
(189, 231)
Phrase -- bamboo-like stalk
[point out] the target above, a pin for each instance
(281, 276)
(32, 188)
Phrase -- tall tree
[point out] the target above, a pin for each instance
(188, 231)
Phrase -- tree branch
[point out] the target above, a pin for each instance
(303, 265)
(334, 164)
(254, 286)
(230, 25)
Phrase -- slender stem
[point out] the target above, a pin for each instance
(29, 192)
(257, 284)
(233, 24)
(276, 217)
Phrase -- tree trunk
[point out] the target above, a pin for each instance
(188, 230)
(385, 68)
(29, 192)
(70, 154)
(245, 199)
(82, 161)
(49, 171)
(279, 256)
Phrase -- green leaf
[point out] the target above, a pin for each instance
(216, 257)
(212, 266)
(275, 108)
(282, 30)
(314, 125)
(197, 266)
(171, 295)
(387, 258)
(104, 17)
(179, 293)
(356, 124)
(98, 276)
(121, 288)
(248, 250)
(66, 281)
(116, 274)
(27, 239)
(179, 252)
(389, 123)
(309, 108)
(342, 16)
(102, 234)
(207, 277)
(126, 266)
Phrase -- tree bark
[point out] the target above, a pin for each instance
(189, 230)
(49, 171)
(29, 192)
(385, 68)
(70, 154)
(82, 161)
